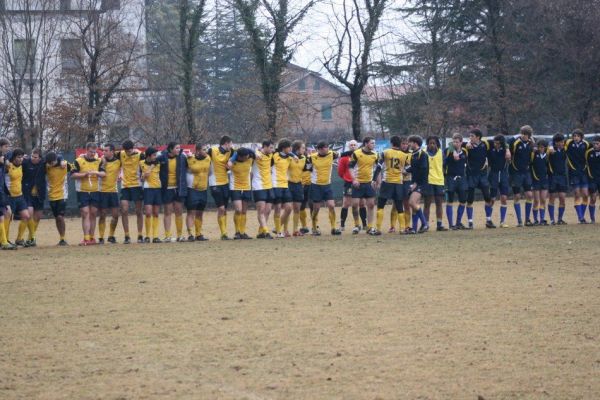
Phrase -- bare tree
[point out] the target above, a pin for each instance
(271, 45)
(348, 60)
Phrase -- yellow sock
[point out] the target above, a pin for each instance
(3, 239)
(148, 225)
(155, 225)
(332, 218)
(402, 221)
(222, 220)
(296, 221)
(315, 219)
(236, 222)
(379, 221)
(393, 218)
(303, 218)
(21, 231)
(356, 218)
(179, 225)
(7, 227)
(87, 237)
(277, 221)
(113, 228)
(62, 237)
(37, 223)
(198, 226)
(286, 224)
(101, 229)
(407, 217)
(242, 222)
(31, 228)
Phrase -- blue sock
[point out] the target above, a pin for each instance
(503, 210)
(578, 211)
(583, 207)
(535, 215)
(470, 213)
(542, 214)
(528, 207)
(551, 211)
(415, 218)
(421, 215)
(518, 213)
(439, 223)
(561, 213)
(449, 212)
(592, 212)
(459, 213)
(488, 212)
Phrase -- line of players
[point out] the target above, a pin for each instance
(287, 181)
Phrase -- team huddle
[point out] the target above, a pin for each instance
(293, 183)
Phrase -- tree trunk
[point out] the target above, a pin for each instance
(188, 97)
(272, 116)
(356, 114)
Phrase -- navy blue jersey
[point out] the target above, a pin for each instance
(521, 154)
(593, 163)
(576, 154)
(477, 156)
(419, 167)
(497, 159)
(539, 166)
(454, 168)
(558, 162)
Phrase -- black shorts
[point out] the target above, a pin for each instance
(243, 195)
(297, 192)
(171, 195)
(594, 185)
(578, 179)
(478, 180)
(319, 193)
(457, 184)
(419, 188)
(220, 195)
(18, 204)
(306, 190)
(433, 190)
(407, 189)
(88, 199)
(58, 207)
(347, 189)
(152, 196)
(35, 202)
(109, 200)
(520, 180)
(132, 194)
(265, 195)
(541, 184)
(391, 191)
(558, 184)
(282, 195)
(363, 191)
(196, 200)
(499, 183)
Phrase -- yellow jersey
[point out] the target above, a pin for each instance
(320, 167)
(172, 176)
(392, 162)
(408, 155)
(56, 180)
(153, 180)
(261, 171)
(197, 172)
(108, 184)
(130, 166)
(218, 174)
(241, 175)
(91, 183)
(279, 170)
(363, 163)
(436, 168)
(14, 180)
(296, 170)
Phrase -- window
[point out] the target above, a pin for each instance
(302, 85)
(24, 55)
(65, 5)
(70, 54)
(317, 85)
(326, 112)
(111, 5)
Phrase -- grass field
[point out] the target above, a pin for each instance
(501, 314)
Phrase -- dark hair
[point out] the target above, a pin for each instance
(559, 137)
(283, 143)
(4, 142)
(366, 140)
(199, 146)
(150, 150)
(266, 143)
(243, 152)
(415, 139)
(403, 139)
(476, 132)
(578, 132)
(37, 151)
(17, 153)
(542, 142)
(500, 138)
(110, 146)
(224, 140)
(171, 146)
(127, 145)
(296, 145)
(51, 157)
(395, 141)
(527, 130)
(434, 138)
(91, 145)
(596, 138)
(322, 144)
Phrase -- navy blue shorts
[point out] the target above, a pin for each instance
(87, 199)
(109, 200)
(391, 191)
(542, 184)
(419, 188)
(306, 189)
(520, 181)
(297, 192)
(282, 195)
(363, 191)
(499, 183)
(196, 199)
(407, 189)
(433, 190)
(171, 195)
(578, 179)
(18, 204)
(220, 195)
(347, 189)
(478, 180)
(152, 197)
(58, 207)
(457, 184)
(319, 193)
(558, 184)
(243, 195)
(594, 185)
(265, 195)
(35, 202)
(132, 194)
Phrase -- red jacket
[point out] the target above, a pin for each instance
(344, 169)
